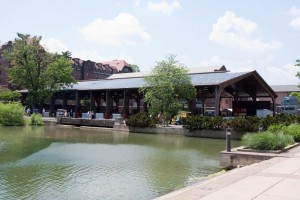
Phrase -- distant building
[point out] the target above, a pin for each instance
(89, 70)
(285, 103)
(289, 105)
(82, 70)
(4, 65)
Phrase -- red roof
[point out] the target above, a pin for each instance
(116, 64)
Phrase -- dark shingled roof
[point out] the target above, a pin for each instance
(133, 83)
(285, 88)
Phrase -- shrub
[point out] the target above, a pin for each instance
(36, 120)
(275, 128)
(267, 141)
(283, 119)
(141, 120)
(11, 114)
(293, 130)
(247, 124)
(199, 122)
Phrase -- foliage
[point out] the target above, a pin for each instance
(275, 128)
(293, 130)
(166, 85)
(297, 94)
(282, 119)
(141, 120)
(85, 102)
(247, 124)
(267, 141)
(7, 96)
(181, 115)
(11, 114)
(135, 68)
(199, 122)
(36, 120)
(39, 71)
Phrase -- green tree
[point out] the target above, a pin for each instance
(135, 68)
(166, 86)
(39, 71)
(7, 96)
(297, 94)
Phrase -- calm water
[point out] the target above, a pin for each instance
(62, 163)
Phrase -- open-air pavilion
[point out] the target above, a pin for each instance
(119, 94)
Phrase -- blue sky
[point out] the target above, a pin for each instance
(246, 35)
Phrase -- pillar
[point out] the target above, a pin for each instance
(65, 100)
(274, 105)
(52, 104)
(92, 101)
(77, 104)
(218, 92)
(109, 105)
(138, 104)
(192, 105)
(126, 105)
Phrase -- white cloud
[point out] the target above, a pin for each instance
(295, 13)
(92, 55)
(123, 29)
(137, 2)
(164, 7)
(233, 65)
(54, 45)
(282, 75)
(272, 74)
(295, 23)
(96, 56)
(239, 33)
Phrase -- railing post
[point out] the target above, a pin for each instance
(228, 139)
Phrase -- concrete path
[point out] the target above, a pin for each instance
(274, 179)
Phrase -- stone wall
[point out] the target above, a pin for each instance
(86, 122)
(235, 159)
(158, 130)
(215, 134)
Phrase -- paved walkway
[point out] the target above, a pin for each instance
(274, 179)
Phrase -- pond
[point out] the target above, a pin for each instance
(71, 163)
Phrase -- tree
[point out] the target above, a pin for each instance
(39, 71)
(135, 68)
(297, 94)
(165, 87)
(67, 54)
(7, 95)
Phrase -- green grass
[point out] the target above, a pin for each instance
(267, 140)
(293, 130)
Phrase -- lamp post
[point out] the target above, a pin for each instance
(228, 139)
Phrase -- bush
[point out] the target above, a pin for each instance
(283, 119)
(141, 120)
(293, 130)
(199, 122)
(275, 128)
(267, 141)
(11, 114)
(36, 120)
(247, 124)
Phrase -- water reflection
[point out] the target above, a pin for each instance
(72, 163)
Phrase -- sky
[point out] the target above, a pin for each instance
(261, 35)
